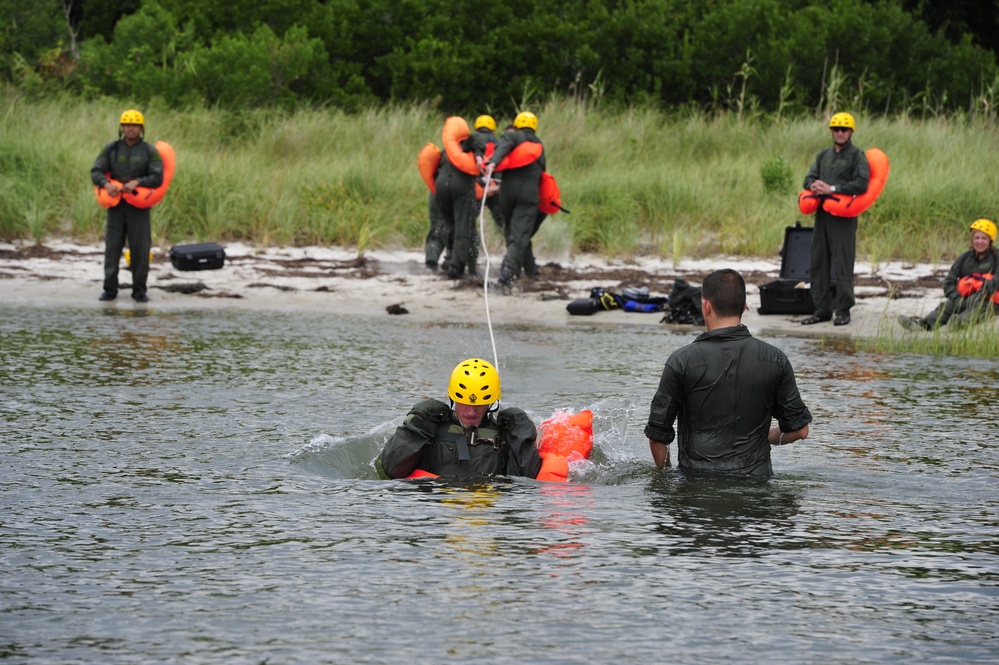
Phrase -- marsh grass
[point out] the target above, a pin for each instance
(638, 181)
(980, 340)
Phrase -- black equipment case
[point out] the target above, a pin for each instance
(204, 256)
(791, 293)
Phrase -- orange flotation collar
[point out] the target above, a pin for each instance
(973, 284)
(846, 205)
(455, 131)
(549, 196)
(142, 197)
(565, 438)
(524, 154)
(428, 162)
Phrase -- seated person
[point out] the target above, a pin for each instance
(969, 287)
(471, 437)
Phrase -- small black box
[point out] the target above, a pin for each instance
(785, 296)
(204, 256)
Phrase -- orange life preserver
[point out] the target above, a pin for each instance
(524, 154)
(549, 196)
(568, 435)
(973, 283)
(565, 438)
(455, 131)
(143, 197)
(429, 161)
(554, 468)
(420, 473)
(847, 205)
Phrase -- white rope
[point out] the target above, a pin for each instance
(485, 277)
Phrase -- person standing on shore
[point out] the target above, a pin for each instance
(840, 169)
(456, 198)
(723, 389)
(136, 163)
(970, 287)
(518, 198)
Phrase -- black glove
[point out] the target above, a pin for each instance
(426, 417)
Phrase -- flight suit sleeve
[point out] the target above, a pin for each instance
(102, 165)
(521, 435)
(154, 172)
(953, 276)
(665, 405)
(403, 451)
(790, 409)
(813, 172)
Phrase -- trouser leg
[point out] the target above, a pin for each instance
(842, 235)
(435, 241)
(114, 243)
(819, 268)
(464, 221)
(138, 229)
(518, 239)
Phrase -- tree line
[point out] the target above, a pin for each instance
(464, 56)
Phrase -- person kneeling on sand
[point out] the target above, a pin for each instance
(970, 287)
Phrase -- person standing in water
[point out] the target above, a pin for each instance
(723, 389)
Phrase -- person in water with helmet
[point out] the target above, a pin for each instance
(519, 199)
(970, 287)
(132, 161)
(839, 169)
(467, 438)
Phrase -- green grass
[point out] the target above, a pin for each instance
(637, 182)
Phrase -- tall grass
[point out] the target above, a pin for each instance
(636, 181)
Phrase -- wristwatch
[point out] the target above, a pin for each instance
(832, 188)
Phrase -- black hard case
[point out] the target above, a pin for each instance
(784, 296)
(203, 256)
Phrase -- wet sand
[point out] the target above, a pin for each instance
(384, 283)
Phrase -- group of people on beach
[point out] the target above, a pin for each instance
(512, 197)
(717, 396)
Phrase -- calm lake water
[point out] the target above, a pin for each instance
(196, 487)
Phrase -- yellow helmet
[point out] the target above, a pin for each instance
(474, 382)
(526, 119)
(132, 117)
(843, 120)
(486, 121)
(986, 226)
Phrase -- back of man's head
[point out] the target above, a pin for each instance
(726, 291)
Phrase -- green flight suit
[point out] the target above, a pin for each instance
(975, 307)
(834, 239)
(140, 162)
(519, 204)
(722, 389)
(431, 439)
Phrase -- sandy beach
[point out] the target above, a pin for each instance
(385, 283)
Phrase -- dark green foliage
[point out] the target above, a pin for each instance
(465, 56)
(776, 174)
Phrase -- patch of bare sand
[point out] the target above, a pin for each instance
(384, 283)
